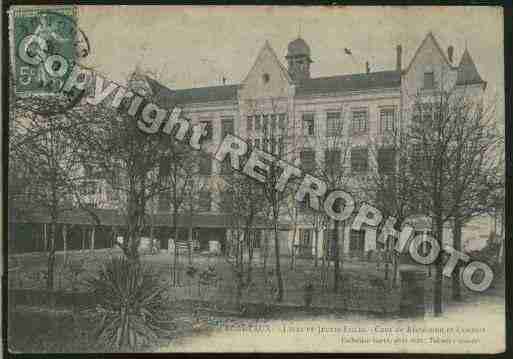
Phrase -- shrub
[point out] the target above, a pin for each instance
(129, 302)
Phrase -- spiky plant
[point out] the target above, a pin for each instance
(129, 303)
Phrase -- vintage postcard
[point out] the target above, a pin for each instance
(255, 179)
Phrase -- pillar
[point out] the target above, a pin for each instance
(370, 239)
(92, 238)
(82, 241)
(347, 236)
(320, 248)
(64, 239)
(45, 238)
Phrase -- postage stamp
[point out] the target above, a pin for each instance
(43, 48)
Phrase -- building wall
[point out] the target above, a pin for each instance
(268, 89)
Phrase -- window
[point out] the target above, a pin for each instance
(257, 143)
(386, 160)
(249, 124)
(256, 238)
(427, 112)
(420, 156)
(308, 124)
(273, 124)
(387, 119)
(308, 160)
(359, 160)
(208, 130)
(89, 188)
(226, 202)
(305, 242)
(226, 166)
(204, 201)
(265, 124)
(257, 123)
(226, 127)
(205, 165)
(164, 201)
(265, 145)
(304, 205)
(88, 170)
(329, 244)
(359, 121)
(357, 241)
(281, 144)
(332, 158)
(281, 119)
(429, 80)
(266, 78)
(91, 171)
(333, 124)
(274, 146)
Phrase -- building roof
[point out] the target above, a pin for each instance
(166, 97)
(467, 71)
(342, 83)
(298, 47)
(354, 82)
(111, 217)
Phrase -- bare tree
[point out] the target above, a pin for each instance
(474, 167)
(389, 184)
(242, 200)
(134, 164)
(333, 168)
(46, 165)
(449, 144)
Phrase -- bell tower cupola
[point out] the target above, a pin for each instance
(298, 59)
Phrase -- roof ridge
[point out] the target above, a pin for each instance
(354, 74)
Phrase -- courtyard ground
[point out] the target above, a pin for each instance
(196, 322)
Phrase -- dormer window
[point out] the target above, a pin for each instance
(429, 80)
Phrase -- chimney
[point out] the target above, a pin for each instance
(399, 51)
(367, 67)
(450, 52)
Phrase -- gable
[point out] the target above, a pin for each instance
(429, 61)
(429, 50)
(267, 78)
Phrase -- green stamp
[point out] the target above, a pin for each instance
(43, 48)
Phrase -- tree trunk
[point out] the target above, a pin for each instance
(279, 279)
(45, 238)
(456, 235)
(250, 256)
(82, 239)
(293, 256)
(316, 251)
(336, 267)
(265, 254)
(175, 257)
(92, 238)
(64, 243)
(190, 244)
(239, 267)
(51, 255)
(437, 299)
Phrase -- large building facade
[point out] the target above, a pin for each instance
(283, 110)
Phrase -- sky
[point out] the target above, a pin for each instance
(190, 46)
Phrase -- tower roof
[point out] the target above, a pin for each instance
(467, 71)
(298, 47)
